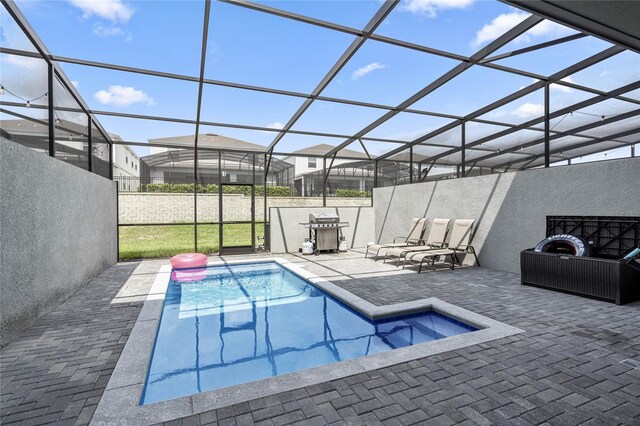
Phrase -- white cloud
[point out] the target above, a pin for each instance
(113, 10)
(561, 88)
(123, 96)
(528, 110)
(504, 22)
(430, 8)
(362, 71)
(276, 125)
(547, 27)
(103, 31)
(24, 61)
(500, 25)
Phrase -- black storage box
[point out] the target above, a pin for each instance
(604, 276)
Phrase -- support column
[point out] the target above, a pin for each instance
(463, 150)
(411, 164)
(375, 174)
(111, 148)
(324, 182)
(220, 202)
(266, 172)
(89, 144)
(546, 125)
(52, 117)
(195, 195)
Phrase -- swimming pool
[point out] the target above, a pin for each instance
(233, 324)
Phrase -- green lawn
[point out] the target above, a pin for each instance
(145, 242)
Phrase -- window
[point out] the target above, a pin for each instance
(311, 162)
(126, 160)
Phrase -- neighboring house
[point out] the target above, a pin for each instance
(71, 141)
(71, 146)
(175, 165)
(358, 174)
(126, 166)
(30, 134)
(344, 174)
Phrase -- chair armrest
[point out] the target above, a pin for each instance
(439, 244)
(404, 238)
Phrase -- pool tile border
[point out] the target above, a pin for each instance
(119, 403)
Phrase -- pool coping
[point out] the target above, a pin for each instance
(119, 402)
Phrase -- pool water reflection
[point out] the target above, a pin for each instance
(239, 323)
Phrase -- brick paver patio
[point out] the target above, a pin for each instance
(565, 369)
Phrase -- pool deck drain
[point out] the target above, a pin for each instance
(120, 402)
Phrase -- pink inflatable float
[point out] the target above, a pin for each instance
(189, 260)
(188, 275)
(189, 267)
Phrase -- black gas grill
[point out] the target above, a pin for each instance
(324, 231)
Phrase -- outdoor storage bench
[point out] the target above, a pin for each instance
(604, 275)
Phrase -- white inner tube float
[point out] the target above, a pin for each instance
(564, 244)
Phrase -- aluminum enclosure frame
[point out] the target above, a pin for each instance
(482, 58)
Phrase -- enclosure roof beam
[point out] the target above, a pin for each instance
(203, 58)
(608, 138)
(558, 113)
(607, 53)
(581, 15)
(233, 85)
(263, 89)
(384, 39)
(31, 34)
(238, 151)
(364, 148)
(384, 10)
(571, 132)
(505, 38)
(245, 127)
(534, 47)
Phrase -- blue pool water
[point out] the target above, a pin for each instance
(239, 323)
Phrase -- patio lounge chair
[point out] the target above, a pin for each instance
(459, 242)
(435, 240)
(414, 237)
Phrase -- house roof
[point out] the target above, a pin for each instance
(323, 148)
(210, 140)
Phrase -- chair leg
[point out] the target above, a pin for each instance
(378, 254)
(473, 251)
(366, 252)
(385, 258)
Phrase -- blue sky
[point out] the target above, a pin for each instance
(260, 49)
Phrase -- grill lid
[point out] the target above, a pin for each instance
(323, 218)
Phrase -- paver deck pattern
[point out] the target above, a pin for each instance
(565, 369)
